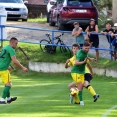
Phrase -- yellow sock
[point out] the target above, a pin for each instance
(76, 98)
(91, 90)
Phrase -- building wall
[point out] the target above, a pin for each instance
(41, 2)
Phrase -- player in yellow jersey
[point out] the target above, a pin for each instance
(88, 75)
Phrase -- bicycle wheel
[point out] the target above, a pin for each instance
(43, 45)
(65, 50)
(47, 48)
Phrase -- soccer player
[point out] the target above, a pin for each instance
(78, 70)
(6, 56)
(88, 75)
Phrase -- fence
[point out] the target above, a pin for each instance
(52, 36)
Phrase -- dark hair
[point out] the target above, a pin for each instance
(76, 45)
(13, 39)
(86, 44)
(76, 23)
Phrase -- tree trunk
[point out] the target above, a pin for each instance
(114, 11)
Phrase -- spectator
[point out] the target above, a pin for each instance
(77, 31)
(93, 38)
(107, 31)
(114, 42)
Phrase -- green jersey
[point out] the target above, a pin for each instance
(5, 57)
(80, 69)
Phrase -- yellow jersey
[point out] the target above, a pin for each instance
(72, 62)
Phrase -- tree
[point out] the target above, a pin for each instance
(114, 11)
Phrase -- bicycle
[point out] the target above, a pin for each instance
(46, 45)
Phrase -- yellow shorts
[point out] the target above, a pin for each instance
(78, 77)
(5, 75)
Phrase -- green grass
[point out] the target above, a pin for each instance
(38, 20)
(35, 54)
(46, 95)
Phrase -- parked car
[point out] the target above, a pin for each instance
(49, 6)
(66, 12)
(16, 9)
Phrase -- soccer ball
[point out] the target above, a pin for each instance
(73, 91)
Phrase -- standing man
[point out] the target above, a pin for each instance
(6, 56)
(78, 70)
(93, 38)
(77, 32)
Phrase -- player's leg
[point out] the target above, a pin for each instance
(80, 82)
(71, 85)
(5, 75)
(87, 85)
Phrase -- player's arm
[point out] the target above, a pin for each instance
(77, 62)
(66, 64)
(17, 63)
(92, 59)
(90, 68)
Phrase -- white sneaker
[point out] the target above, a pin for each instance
(71, 99)
(81, 103)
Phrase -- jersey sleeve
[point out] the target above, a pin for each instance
(11, 52)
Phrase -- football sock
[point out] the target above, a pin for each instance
(5, 91)
(8, 95)
(76, 98)
(80, 95)
(91, 90)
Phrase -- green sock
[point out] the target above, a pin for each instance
(6, 92)
(80, 95)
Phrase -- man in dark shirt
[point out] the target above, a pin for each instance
(107, 31)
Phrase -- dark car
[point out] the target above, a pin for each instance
(66, 12)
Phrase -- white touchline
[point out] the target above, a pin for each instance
(108, 111)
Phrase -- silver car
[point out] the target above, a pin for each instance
(16, 9)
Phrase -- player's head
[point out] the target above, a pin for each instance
(76, 25)
(75, 48)
(92, 22)
(108, 26)
(13, 42)
(86, 47)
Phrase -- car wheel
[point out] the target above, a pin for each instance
(50, 20)
(60, 26)
(47, 17)
(25, 20)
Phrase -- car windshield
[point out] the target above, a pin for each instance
(80, 3)
(10, 1)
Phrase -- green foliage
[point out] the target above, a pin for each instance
(47, 95)
(38, 20)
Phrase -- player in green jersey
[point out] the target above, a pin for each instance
(6, 56)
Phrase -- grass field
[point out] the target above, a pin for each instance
(46, 95)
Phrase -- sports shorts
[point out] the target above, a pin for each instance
(88, 77)
(78, 77)
(5, 75)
